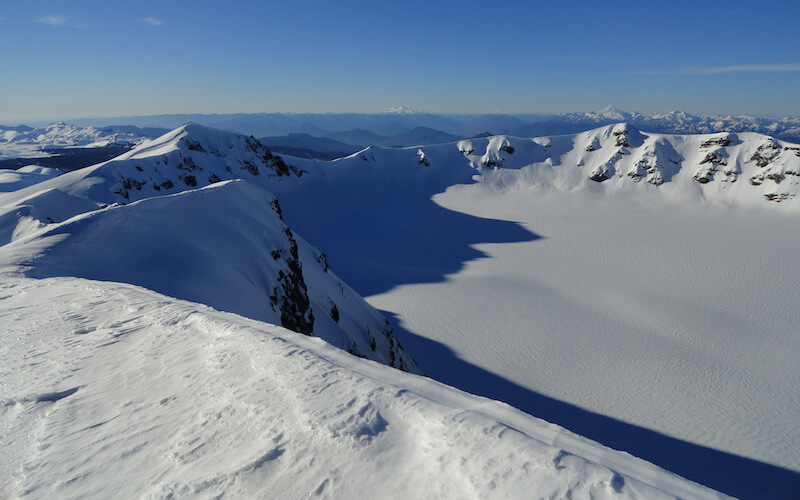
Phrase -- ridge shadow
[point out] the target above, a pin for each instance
(382, 229)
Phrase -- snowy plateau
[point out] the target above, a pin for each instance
(186, 320)
(28, 142)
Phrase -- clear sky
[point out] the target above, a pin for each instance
(79, 58)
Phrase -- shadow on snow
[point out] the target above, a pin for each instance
(731, 474)
(383, 231)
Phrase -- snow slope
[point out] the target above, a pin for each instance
(14, 180)
(114, 391)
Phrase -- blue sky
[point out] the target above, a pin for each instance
(83, 58)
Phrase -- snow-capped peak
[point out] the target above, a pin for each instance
(401, 110)
(613, 113)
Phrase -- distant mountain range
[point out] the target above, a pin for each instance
(394, 124)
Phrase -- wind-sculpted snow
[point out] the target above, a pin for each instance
(113, 391)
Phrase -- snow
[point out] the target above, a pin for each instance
(14, 180)
(30, 143)
(647, 312)
(189, 255)
(653, 317)
(115, 391)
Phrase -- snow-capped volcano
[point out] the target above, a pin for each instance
(401, 110)
(611, 112)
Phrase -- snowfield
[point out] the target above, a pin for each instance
(634, 288)
(26, 142)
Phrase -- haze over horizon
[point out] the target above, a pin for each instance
(96, 59)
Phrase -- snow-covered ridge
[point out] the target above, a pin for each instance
(185, 158)
(746, 169)
(110, 390)
(26, 142)
(733, 169)
(226, 246)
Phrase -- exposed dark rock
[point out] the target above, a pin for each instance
(322, 259)
(599, 176)
(713, 157)
(250, 167)
(291, 294)
(775, 176)
(702, 179)
(189, 164)
(621, 138)
(193, 145)
(716, 141)
(778, 197)
(766, 154)
(635, 176)
(334, 313)
(276, 207)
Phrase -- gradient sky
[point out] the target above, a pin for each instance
(84, 58)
